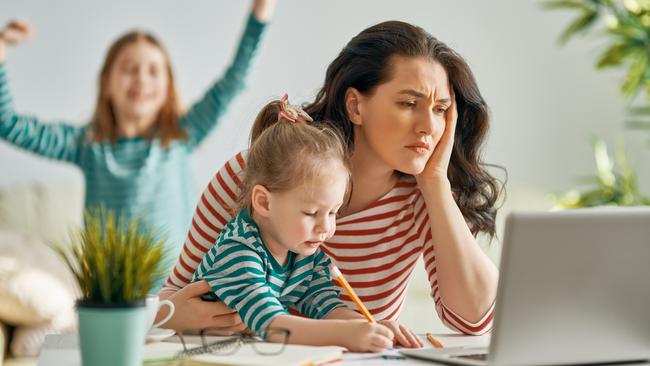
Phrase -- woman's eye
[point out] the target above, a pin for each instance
(334, 213)
(408, 104)
(309, 213)
(440, 110)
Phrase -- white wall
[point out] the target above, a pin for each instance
(546, 101)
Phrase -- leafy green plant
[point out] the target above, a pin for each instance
(614, 187)
(627, 25)
(114, 262)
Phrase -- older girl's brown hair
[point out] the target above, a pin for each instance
(284, 154)
(364, 64)
(104, 123)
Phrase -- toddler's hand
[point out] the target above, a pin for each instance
(361, 336)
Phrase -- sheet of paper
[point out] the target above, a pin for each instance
(392, 356)
(246, 355)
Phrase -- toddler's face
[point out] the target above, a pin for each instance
(304, 217)
(138, 83)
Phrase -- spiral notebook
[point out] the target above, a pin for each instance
(293, 355)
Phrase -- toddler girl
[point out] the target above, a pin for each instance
(267, 258)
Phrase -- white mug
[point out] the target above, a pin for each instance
(154, 304)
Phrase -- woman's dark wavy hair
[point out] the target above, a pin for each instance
(364, 64)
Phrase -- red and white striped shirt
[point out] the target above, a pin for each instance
(376, 249)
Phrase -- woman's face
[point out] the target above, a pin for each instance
(403, 120)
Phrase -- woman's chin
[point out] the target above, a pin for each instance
(411, 167)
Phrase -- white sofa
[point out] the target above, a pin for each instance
(33, 217)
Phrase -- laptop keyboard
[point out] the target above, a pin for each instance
(478, 356)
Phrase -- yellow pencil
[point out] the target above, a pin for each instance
(436, 343)
(337, 275)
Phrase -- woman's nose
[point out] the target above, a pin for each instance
(426, 124)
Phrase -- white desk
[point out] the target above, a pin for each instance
(63, 350)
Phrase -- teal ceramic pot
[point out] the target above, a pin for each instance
(112, 334)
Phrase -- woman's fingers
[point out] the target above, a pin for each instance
(194, 313)
(230, 323)
(400, 337)
(413, 340)
(194, 289)
(216, 314)
(451, 117)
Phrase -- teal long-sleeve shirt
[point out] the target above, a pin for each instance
(242, 272)
(136, 177)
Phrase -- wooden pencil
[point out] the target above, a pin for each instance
(337, 275)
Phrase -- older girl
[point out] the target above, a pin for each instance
(135, 152)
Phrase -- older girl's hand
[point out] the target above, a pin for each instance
(13, 33)
(194, 313)
(16, 32)
(263, 10)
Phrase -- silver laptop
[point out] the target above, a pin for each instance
(574, 288)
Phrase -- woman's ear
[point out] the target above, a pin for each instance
(261, 200)
(353, 105)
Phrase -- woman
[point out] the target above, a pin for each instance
(413, 120)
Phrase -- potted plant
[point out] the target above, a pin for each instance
(115, 264)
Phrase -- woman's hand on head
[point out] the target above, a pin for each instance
(192, 312)
(16, 31)
(438, 164)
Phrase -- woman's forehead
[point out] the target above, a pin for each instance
(419, 74)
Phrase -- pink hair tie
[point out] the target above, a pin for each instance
(292, 113)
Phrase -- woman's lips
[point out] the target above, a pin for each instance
(420, 148)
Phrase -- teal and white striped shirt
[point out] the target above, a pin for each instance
(136, 177)
(246, 277)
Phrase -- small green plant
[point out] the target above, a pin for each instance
(615, 187)
(114, 262)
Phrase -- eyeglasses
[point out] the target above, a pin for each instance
(270, 342)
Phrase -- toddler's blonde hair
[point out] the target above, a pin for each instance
(284, 154)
